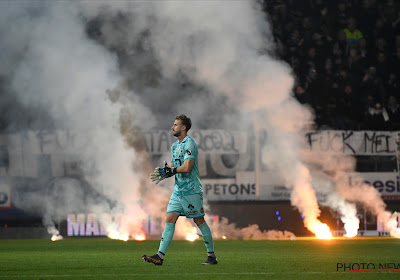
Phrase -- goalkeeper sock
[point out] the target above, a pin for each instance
(207, 237)
(166, 238)
(161, 255)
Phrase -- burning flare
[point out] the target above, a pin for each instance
(56, 237)
(322, 231)
(139, 236)
(351, 228)
(55, 233)
(192, 235)
(118, 236)
(113, 233)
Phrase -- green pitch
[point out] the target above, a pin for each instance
(110, 259)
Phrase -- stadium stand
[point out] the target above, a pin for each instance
(346, 57)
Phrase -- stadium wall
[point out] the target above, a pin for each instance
(31, 163)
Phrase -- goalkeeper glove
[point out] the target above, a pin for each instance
(161, 173)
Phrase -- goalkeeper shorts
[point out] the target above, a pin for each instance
(190, 205)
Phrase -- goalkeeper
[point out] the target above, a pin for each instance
(187, 197)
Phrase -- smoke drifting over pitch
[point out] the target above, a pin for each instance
(107, 70)
(55, 67)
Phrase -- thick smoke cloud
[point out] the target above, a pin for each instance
(205, 42)
(55, 67)
(231, 58)
(107, 70)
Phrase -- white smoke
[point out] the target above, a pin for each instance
(207, 42)
(231, 57)
(55, 67)
(346, 210)
(223, 229)
(354, 189)
(225, 48)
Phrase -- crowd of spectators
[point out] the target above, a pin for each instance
(346, 58)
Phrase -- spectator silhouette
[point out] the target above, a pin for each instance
(346, 115)
(382, 67)
(395, 63)
(372, 85)
(342, 15)
(376, 117)
(353, 35)
(393, 111)
(341, 66)
(393, 86)
(396, 23)
(356, 64)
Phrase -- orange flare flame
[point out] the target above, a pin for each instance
(322, 231)
(56, 237)
(139, 236)
(192, 235)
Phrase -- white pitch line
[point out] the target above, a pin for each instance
(184, 274)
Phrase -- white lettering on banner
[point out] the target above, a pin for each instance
(228, 189)
(208, 141)
(76, 225)
(5, 195)
(353, 142)
(272, 187)
(387, 183)
(92, 226)
(243, 187)
(83, 225)
(80, 225)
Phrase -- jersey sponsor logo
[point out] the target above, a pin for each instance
(191, 212)
(189, 152)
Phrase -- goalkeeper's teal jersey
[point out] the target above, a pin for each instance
(186, 183)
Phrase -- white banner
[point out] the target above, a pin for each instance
(22, 153)
(353, 142)
(5, 195)
(326, 141)
(272, 187)
(208, 141)
(228, 189)
(30, 154)
(243, 187)
(387, 183)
